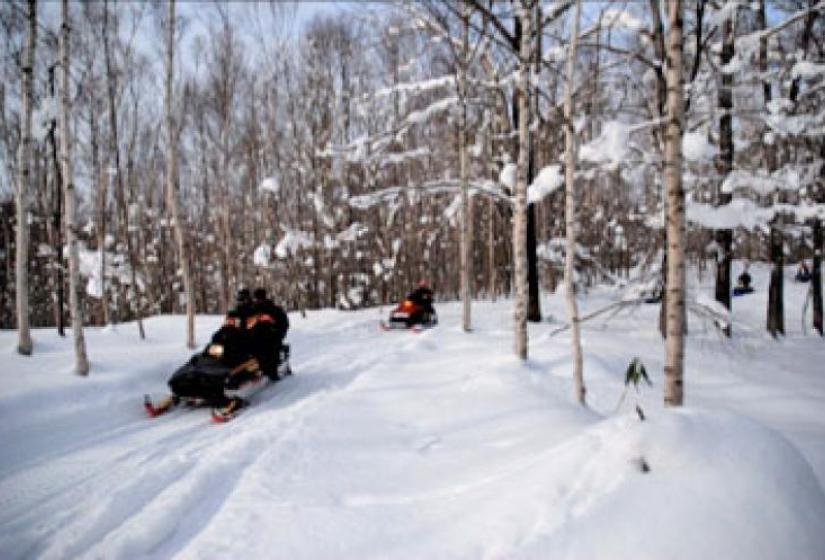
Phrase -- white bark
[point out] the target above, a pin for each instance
(675, 312)
(520, 205)
(466, 214)
(570, 152)
(171, 172)
(81, 366)
(24, 186)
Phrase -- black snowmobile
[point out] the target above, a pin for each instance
(224, 375)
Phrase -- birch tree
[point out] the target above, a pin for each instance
(724, 237)
(171, 176)
(675, 311)
(25, 184)
(66, 140)
(466, 216)
(520, 198)
(570, 149)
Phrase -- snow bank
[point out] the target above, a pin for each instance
(746, 490)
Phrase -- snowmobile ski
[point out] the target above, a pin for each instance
(226, 413)
(161, 407)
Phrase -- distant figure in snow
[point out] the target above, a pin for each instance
(743, 285)
(423, 296)
(803, 273)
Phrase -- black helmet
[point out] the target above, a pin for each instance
(259, 294)
(243, 297)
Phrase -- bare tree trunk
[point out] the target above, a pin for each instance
(724, 237)
(466, 216)
(81, 366)
(570, 151)
(55, 228)
(520, 206)
(171, 176)
(24, 186)
(776, 311)
(816, 276)
(675, 345)
(114, 145)
(533, 298)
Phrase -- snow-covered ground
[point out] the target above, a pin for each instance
(433, 445)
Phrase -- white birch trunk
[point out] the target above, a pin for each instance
(466, 215)
(81, 366)
(24, 186)
(171, 172)
(520, 206)
(570, 152)
(675, 312)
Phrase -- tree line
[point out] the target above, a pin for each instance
(156, 160)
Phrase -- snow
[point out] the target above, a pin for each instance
(808, 70)
(292, 241)
(611, 147)
(262, 255)
(547, 181)
(270, 184)
(507, 177)
(695, 147)
(622, 18)
(433, 445)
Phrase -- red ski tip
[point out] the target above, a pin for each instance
(218, 418)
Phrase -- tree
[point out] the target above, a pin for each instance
(25, 185)
(724, 237)
(675, 345)
(571, 224)
(171, 176)
(66, 140)
(520, 200)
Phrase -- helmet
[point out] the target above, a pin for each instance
(259, 294)
(243, 297)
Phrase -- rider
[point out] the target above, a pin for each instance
(423, 297)
(266, 326)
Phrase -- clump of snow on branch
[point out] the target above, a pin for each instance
(507, 177)
(621, 18)
(270, 184)
(417, 87)
(262, 255)
(739, 212)
(353, 232)
(292, 241)
(695, 147)
(611, 147)
(424, 115)
(548, 180)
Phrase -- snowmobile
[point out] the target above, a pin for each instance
(410, 315)
(219, 378)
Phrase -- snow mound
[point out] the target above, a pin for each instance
(748, 492)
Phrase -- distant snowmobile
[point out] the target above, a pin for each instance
(415, 312)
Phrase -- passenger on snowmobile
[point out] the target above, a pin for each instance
(423, 297)
(266, 326)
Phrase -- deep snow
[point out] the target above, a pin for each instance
(433, 445)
